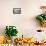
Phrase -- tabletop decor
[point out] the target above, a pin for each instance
(10, 31)
(42, 17)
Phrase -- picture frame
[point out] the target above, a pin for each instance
(16, 10)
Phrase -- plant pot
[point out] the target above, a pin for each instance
(43, 23)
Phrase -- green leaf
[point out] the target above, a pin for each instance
(40, 18)
(10, 31)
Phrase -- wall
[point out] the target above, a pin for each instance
(25, 22)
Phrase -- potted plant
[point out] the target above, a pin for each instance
(42, 17)
(10, 31)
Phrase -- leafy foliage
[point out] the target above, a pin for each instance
(41, 17)
(11, 31)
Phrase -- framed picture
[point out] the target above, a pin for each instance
(16, 10)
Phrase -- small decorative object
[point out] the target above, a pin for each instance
(42, 17)
(16, 10)
(10, 31)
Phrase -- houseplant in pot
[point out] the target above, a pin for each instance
(42, 17)
(10, 31)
